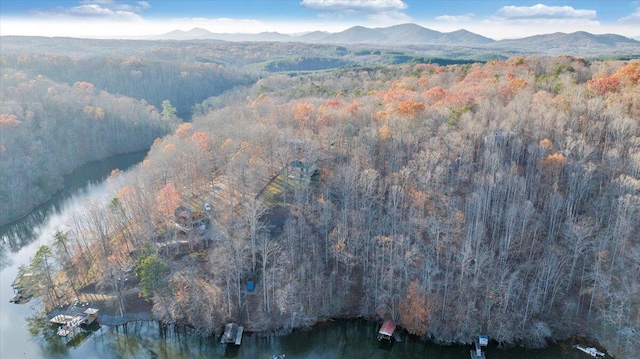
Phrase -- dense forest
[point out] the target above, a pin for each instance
(47, 129)
(77, 101)
(77, 88)
(501, 198)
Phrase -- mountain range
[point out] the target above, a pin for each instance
(406, 34)
(578, 43)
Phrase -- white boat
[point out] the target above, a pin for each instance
(590, 350)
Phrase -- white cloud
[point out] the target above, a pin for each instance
(378, 12)
(97, 2)
(456, 18)
(108, 9)
(355, 6)
(634, 17)
(541, 11)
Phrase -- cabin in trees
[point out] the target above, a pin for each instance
(186, 219)
(301, 170)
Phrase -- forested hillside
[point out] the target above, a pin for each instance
(501, 198)
(47, 129)
(184, 84)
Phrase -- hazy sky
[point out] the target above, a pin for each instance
(496, 19)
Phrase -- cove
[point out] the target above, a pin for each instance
(24, 333)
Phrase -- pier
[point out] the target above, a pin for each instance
(232, 334)
(590, 350)
(74, 318)
(481, 341)
(20, 294)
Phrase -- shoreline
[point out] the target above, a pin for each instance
(64, 185)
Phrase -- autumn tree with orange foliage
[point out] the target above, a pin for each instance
(512, 202)
(552, 167)
(410, 108)
(167, 201)
(415, 310)
(601, 84)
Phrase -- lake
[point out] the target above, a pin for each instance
(24, 333)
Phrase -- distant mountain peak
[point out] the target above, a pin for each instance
(579, 42)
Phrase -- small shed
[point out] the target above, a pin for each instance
(91, 314)
(386, 330)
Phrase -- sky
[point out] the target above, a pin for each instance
(496, 19)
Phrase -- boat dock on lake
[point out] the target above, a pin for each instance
(74, 318)
(590, 350)
(386, 330)
(481, 341)
(232, 334)
(20, 293)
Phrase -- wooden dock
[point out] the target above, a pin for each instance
(590, 350)
(232, 334)
(481, 341)
(20, 293)
(69, 323)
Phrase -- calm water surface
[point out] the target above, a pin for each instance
(25, 334)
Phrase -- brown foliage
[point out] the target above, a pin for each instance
(434, 95)
(600, 84)
(85, 87)
(184, 129)
(547, 143)
(556, 160)
(332, 103)
(7, 121)
(302, 111)
(629, 74)
(415, 310)
(512, 87)
(353, 108)
(396, 95)
(201, 140)
(384, 132)
(168, 200)
(410, 108)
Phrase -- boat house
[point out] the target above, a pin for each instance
(386, 330)
(19, 285)
(481, 341)
(69, 323)
(232, 334)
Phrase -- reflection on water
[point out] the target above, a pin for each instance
(344, 339)
(19, 336)
(78, 185)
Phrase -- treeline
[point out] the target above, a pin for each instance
(47, 129)
(183, 83)
(501, 198)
